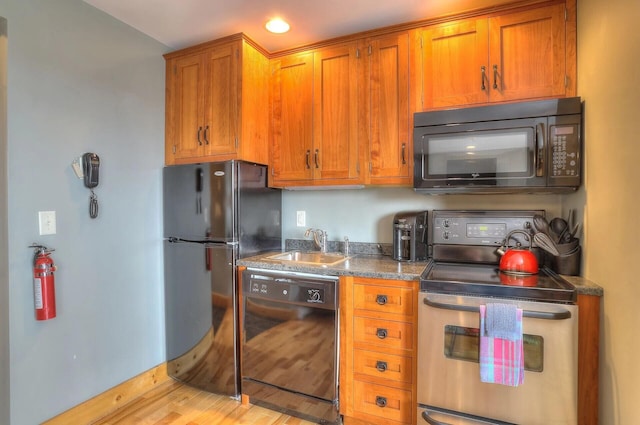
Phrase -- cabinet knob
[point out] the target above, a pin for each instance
(381, 401)
(381, 333)
(381, 366)
(307, 159)
(381, 299)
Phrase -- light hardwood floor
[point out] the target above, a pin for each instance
(173, 403)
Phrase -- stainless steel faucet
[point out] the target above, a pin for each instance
(319, 237)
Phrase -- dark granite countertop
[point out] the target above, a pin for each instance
(378, 266)
(584, 286)
(374, 266)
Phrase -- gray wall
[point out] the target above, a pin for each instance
(4, 256)
(80, 81)
(366, 215)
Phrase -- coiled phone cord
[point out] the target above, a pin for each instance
(93, 205)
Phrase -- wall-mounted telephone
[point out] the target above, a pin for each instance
(91, 168)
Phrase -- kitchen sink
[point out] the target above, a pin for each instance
(313, 257)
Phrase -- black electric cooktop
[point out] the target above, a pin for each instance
(488, 281)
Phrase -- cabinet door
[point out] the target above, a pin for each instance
(335, 115)
(221, 99)
(389, 140)
(185, 107)
(292, 118)
(454, 64)
(527, 54)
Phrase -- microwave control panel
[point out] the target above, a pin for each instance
(564, 144)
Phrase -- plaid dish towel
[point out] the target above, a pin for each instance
(501, 359)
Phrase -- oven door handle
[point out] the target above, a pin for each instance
(547, 315)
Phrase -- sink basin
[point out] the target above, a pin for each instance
(320, 258)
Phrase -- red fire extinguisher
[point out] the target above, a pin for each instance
(43, 283)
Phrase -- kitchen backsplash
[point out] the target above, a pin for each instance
(361, 248)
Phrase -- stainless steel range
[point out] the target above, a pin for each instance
(463, 278)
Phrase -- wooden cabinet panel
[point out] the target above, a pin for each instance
(454, 63)
(335, 140)
(383, 366)
(385, 299)
(383, 333)
(187, 105)
(389, 117)
(292, 117)
(527, 52)
(221, 99)
(384, 402)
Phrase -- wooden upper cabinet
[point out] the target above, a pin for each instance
(387, 122)
(314, 118)
(454, 63)
(221, 101)
(335, 113)
(292, 118)
(217, 103)
(185, 106)
(527, 54)
(511, 56)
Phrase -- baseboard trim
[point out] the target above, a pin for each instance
(112, 399)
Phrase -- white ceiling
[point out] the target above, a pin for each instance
(182, 23)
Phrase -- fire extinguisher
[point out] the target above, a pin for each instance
(43, 283)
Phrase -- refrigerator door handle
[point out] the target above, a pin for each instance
(173, 239)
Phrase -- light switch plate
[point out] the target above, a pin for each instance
(47, 222)
(301, 219)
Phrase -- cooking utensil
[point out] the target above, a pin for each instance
(545, 242)
(518, 260)
(541, 224)
(560, 228)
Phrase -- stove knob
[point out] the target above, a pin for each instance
(445, 235)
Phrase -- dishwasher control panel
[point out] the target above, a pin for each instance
(298, 288)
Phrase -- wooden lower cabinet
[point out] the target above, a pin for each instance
(378, 344)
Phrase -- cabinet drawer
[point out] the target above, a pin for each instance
(385, 402)
(385, 299)
(383, 366)
(383, 333)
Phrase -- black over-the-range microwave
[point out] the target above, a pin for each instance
(521, 147)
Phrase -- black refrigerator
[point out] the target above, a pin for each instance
(214, 213)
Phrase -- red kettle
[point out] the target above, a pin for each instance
(518, 260)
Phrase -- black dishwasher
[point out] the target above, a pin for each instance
(289, 355)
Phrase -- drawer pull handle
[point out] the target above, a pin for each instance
(381, 401)
(381, 366)
(381, 299)
(381, 333)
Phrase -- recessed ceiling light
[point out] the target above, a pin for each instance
(277, 26)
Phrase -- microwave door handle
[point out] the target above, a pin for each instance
(547, 315)
(539, 150)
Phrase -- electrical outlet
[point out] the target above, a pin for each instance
(47, 222)
(301, 218)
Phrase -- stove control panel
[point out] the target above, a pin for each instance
(485, 228)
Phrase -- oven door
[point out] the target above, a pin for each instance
(491, 154)
(449, 372)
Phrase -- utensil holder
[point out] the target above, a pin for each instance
(567, 264)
